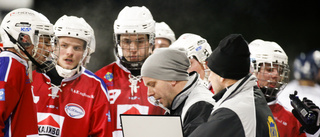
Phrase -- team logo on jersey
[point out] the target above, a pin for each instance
(130, 109)
(109, 116)
(74, 110)
(114, 94)
(273, 130)
(2, 95)
(108, 76)
(50, 124)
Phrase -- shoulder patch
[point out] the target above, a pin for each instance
(273, 130)
(108, 76)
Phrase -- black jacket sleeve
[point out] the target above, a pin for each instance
(222, 123)
(197, 114)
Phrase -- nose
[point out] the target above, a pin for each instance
(133, 46)
(69, 51)
(275, 73)
(50, 49)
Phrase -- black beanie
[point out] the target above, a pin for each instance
(231, 59)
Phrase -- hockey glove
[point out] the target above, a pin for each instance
(309, 117)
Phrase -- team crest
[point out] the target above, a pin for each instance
(74, 110)
(273, 130)
(109, 76)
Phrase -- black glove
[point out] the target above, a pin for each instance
(310, 123)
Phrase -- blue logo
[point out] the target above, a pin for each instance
(25, 29)
(108, 76)
(198, 48)
(109, 117)
(2, 95)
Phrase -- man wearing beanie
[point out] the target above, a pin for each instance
(169, 84)
(241, 109)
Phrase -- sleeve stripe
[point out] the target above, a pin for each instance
(102, 84)
(5, 64)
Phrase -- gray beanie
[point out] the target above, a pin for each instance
(166, 64)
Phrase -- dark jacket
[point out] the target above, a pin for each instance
(194, 104)
(241, 111)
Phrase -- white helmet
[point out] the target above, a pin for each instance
(133, 20)
(72, 26)
(195, 46)
(164, 31)
(22, 28)
(263, 52)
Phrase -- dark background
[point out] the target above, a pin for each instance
(294, 25)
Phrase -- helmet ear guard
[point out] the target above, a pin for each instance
(24, 40)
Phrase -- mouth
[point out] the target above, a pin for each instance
(133, 57)
(272, 84)
(158, 101)
(155, 101)
(68, 61)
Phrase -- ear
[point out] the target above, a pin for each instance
(221, 79)
(173, 83)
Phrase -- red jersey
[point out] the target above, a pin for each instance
(128, 94)
(287, 124)
(79, 107)
(17, 110)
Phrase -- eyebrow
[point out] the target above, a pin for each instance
(151, 83)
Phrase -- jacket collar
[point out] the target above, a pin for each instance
(245, 82)
(183, 95)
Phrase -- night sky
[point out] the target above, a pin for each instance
(294, 25)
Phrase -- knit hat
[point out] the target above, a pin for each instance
(166, 64)
(231, 59)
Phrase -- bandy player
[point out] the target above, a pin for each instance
(134, 35)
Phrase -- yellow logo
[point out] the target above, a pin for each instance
(273, 130)
(109, 76)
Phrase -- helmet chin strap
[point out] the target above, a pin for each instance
(66, 73)
(30, 70)
(206, 71)
(23, 50)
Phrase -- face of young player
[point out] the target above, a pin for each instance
(161, 43)
(135, 47)
(44, 49)
(160, 90)
(195, 65)
(71, 52)
(269, 76)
